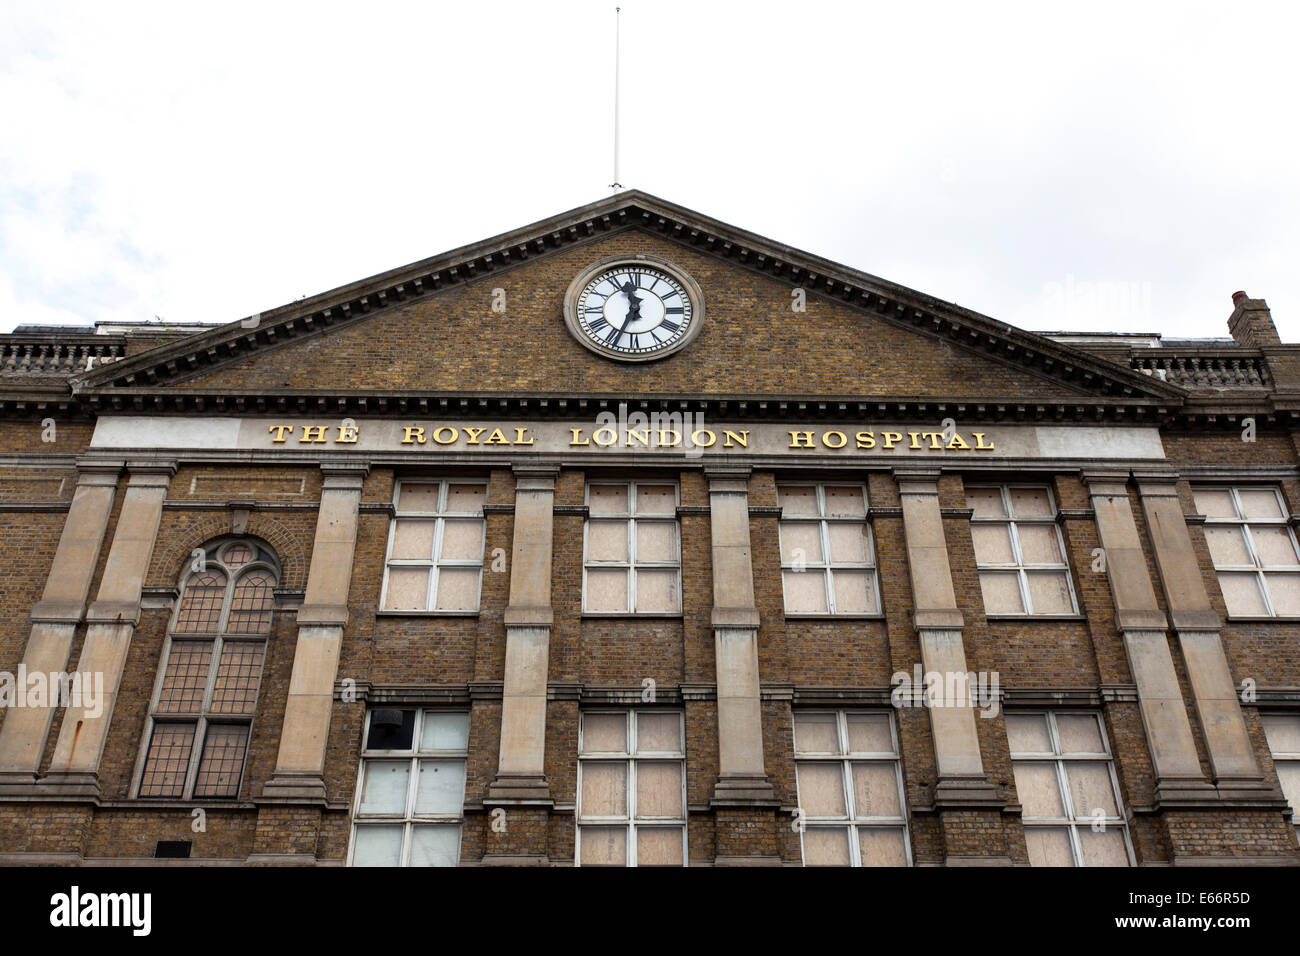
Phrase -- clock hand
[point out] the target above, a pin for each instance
(633, 304)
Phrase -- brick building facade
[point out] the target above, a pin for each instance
(406, 573)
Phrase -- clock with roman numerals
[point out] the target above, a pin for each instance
(634, 308)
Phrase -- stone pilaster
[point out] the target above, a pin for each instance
(300, 766)
(1237, 775)
(1143, 626)
(111, 620)
(962, 783)
(742, 779)
(55, 618)
(521, 777)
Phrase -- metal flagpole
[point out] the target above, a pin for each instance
(616, 185)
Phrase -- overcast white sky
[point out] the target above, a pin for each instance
(1118, 167)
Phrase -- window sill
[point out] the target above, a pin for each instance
(1035, 617)
(178, 803)
(1256, 618)
(833, 617)
(623, 615)
(427, 613)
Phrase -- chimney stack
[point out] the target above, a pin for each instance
(1251, 324)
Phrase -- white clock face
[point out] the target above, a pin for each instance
(634, 310)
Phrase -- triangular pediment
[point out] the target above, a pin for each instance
(429, 331)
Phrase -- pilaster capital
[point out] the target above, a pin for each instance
(727, 473)
(1106, 482)
(536, 480)
(99, 474)
(1156, 483)
(151, 473)
(916, 479)
(536, 470)
(344, 475)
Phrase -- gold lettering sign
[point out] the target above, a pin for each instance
(933, 440)
(636, 438)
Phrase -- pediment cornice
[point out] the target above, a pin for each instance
(1101, 383)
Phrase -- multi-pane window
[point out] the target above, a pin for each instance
(631, 789)
(411, 793)
(1019, 550)
(1283, 733)
(850, 789)
(1253, 548)
(1071, 805)
(632, 552)
(211, 670)
(435, 548)
(828, 563)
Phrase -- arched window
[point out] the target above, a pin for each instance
(210, 673)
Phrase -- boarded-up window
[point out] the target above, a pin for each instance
(828, 559)
(435, 546)
(1253, 548)
(631, 789)
(851, 803)
(1283, 733)
(1019, 550)
(1069, 797)
(632, 554)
